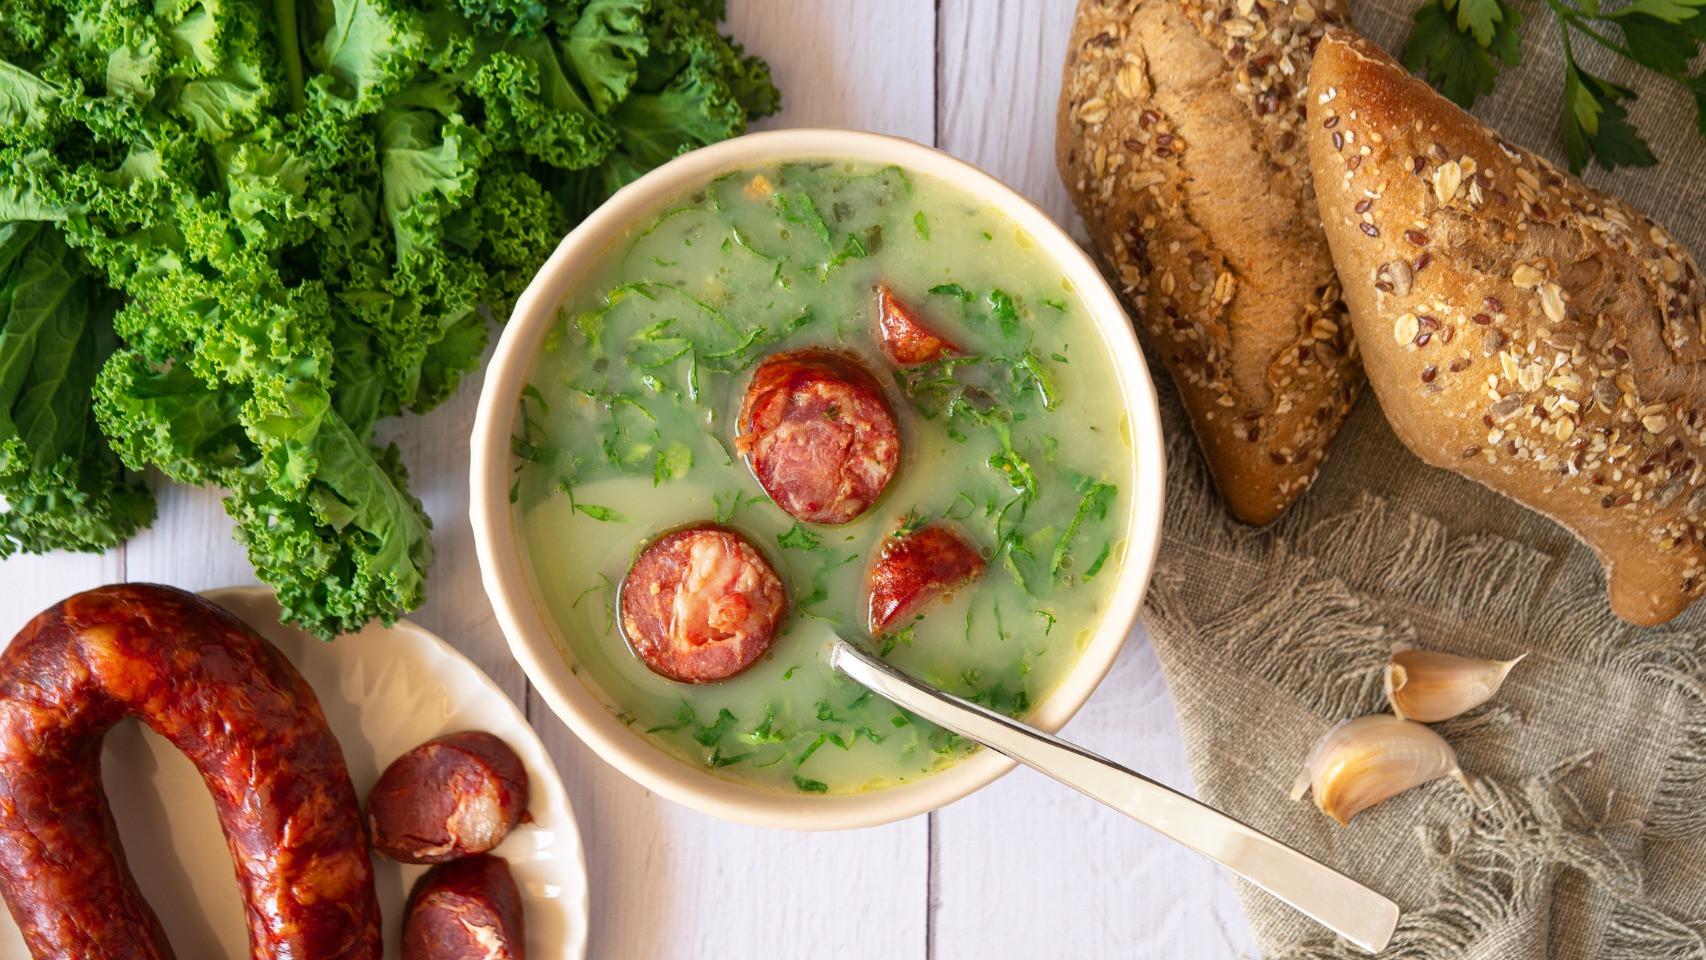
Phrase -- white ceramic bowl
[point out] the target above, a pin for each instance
(533, 640)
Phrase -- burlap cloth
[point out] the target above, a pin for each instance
(1585, 835)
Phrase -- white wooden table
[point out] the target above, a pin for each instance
(1021, 869)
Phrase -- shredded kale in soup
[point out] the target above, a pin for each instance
(627, 430)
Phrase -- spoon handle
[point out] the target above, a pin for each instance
(1345, 906)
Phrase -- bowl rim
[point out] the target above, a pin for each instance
(498, 548)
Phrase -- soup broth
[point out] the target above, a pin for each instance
(627, 431)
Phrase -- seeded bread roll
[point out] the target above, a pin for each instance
(1518, 327)
(1180, 140)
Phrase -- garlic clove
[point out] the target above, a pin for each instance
(1429, 687)
(1366, 761)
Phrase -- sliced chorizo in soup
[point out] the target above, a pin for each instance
(907, 339)
(913, 568)
(818, 434)
(701, 604)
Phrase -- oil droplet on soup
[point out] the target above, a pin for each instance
(626, 432)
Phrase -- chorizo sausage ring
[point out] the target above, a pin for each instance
(247, 720)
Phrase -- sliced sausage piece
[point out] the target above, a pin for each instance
(906, 338)
(914, 568)
(818, 434)
(468, 909)
(457, 795)
(701, 604)
(232, 703)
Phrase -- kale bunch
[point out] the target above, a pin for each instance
(234, 236)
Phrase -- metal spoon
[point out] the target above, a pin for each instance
(1343, 905)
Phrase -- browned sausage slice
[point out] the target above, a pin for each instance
(914, 568)
(468, 909)
(457, 795)
(701, 604)
(242, 714)
(906, 337)
(818, 434)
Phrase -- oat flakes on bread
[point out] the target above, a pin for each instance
(1520, 328)
(1180, 139)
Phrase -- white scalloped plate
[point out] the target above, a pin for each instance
(384, 690)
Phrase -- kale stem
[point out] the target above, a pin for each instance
(290, 50)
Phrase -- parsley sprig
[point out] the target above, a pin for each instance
(1461, 45)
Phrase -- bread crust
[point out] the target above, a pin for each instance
(1519, 327)
(1180, 140)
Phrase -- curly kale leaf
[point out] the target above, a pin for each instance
(693, 87)
(355, 548)
(349, 543)
(362, 50)
(60, 486)
(605, 44)
(531, 105)
(522, 18)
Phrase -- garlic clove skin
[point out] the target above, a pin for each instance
(1369, 760)
(1428, 687)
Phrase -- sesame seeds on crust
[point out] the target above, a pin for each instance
(1552, 346)
(1266, 364)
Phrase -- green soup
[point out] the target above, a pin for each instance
(627, 431)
